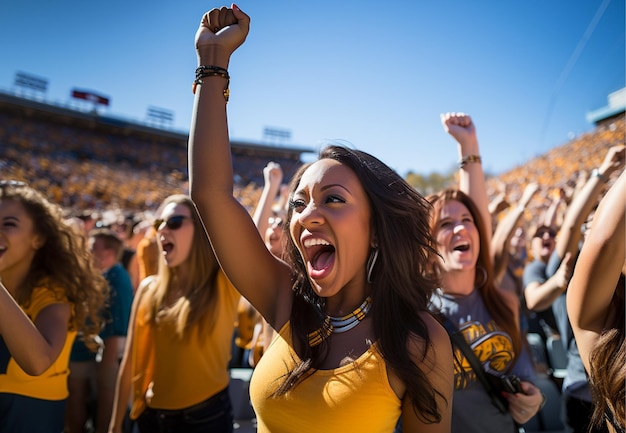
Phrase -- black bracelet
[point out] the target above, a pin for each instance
(212, 71)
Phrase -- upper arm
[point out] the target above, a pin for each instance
(113, 349)
(254, 271)
(531, 296)
(602, 257)
(501, 240)
(259, 276)
(52, 323)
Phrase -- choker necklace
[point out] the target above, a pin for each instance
(340, 324)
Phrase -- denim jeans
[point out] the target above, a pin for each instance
(211, 415)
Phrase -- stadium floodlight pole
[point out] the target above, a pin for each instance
(280, 135)
(30, 82)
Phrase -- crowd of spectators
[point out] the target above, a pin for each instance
(560, 171)
(98, 170)
(119, 179)
(117, 175)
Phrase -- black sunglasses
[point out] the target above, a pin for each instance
(173, 223)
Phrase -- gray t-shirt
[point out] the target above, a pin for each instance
(472, 410)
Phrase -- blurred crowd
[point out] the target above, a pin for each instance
(117, 182)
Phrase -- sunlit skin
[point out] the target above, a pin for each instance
(457, 238)
(331, 227)
(517, 242)
(275, 238)
(18, 243)
(176, 244)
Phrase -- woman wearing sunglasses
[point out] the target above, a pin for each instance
(175, 364)
(49, 292)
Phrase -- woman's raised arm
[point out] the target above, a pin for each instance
(237, 244)
(597, 270)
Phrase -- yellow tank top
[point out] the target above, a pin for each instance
(52, 384)
(353, 398)
(179, 373)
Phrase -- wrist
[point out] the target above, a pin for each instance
(468, 146)
(214, 55)
(204, 71)
(562, 287)
(469, 159)
(600, 174)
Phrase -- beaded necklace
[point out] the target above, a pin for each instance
(338, 325)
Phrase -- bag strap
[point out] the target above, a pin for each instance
(459, 341)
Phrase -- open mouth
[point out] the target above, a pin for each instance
(322, 256)
(461, 247)
(167, 247)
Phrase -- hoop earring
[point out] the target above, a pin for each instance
(371, 262)
(484, 271)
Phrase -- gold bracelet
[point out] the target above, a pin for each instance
(469, 159)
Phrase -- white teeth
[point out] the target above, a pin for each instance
(314, 241)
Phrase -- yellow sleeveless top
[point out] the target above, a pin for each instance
(353, 398)
(51, 384)
(174, 373)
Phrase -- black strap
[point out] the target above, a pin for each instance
(459, 341)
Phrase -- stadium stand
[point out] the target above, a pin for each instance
(89, 161)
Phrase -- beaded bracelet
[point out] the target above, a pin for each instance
(468, 159)
(211, 71)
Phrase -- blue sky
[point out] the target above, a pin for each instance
(374, 74)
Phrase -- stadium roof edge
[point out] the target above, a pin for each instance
(39, 104)
(617, 105)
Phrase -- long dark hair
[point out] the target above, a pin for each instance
(608, 365)
(401, 289)
(495, 303)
